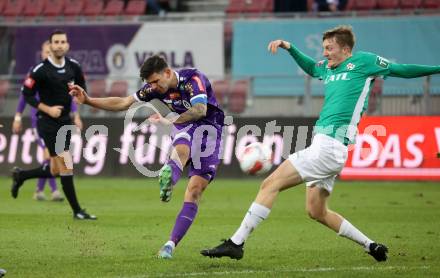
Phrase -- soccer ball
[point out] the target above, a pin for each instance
(255, 159)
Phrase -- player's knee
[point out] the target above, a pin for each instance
(269, 184)
(315, 214)
(195, 190)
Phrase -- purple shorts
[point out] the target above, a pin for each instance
(204, 141)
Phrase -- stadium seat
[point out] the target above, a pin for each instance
(238, 96)
(235, 6)
(53, 8)
(2, 5)
(221, 91)
(431, 4)
(4, 88)
(34, 7)
(364, 4)
(118, 89)
(97, 88)
(113, 8)
(388, 4)
(135, 7)
(14, 8)
(73, 8)
(258, 6)
(93, 7)
(410, 4)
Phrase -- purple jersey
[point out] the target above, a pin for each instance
(193, 87)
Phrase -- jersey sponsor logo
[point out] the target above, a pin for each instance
(336, 77)
(186, 104)
(61, 71)
(29, 82)
(382, 62)
(350, 66)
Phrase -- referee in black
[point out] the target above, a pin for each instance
(52, 78)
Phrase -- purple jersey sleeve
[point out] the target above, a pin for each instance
(73, 107)
(145, 94)
(21, 104)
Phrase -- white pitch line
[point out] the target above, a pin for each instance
(291, 270)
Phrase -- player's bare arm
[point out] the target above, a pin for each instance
(53, 111)
(273, 45)
(106, 103)
(195, 113)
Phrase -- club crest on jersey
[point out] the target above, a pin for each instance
(350, 66)
(189, 88)
(29, 82)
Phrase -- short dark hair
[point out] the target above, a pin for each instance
(343, 34)
(56, 32)
(154, 64)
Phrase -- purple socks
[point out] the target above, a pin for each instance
(183, 221)
(176, 171)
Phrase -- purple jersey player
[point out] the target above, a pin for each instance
(195, 138)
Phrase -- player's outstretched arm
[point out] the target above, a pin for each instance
(305, 62)
(105, 103)
(412, 71)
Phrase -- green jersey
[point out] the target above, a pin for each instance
(347, 88)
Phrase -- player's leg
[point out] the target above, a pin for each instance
(186, 216)
(171, 172)
(19, 176)
(56, 195)
(316, 206)
(284, 177)
(39, 190)
(64, 165)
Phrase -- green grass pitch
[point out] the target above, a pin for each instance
(40, 239)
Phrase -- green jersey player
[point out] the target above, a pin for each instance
(348, 78)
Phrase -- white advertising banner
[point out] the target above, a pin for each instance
(183, 44)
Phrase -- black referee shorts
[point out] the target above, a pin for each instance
(48, 129)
